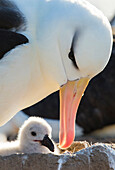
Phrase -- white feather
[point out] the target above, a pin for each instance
(26, 142)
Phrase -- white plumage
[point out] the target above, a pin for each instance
(61, 34)
(34, 137)
(11, 128)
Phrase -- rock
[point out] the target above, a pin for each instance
(75, 147)
(96, 157)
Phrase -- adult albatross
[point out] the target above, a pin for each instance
(47, 45)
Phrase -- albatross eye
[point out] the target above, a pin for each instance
(71, 53)
(33, 133)
(72, 58)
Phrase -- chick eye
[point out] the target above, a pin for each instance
(33, 133)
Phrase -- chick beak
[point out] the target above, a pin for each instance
(47, 143)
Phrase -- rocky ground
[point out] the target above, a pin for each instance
(80, 156)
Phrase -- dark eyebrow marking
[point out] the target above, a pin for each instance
(9, 40)
(10, 18)
(71, 53)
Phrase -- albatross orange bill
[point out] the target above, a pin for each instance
(70, 96)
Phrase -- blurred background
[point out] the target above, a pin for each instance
(106, 6)
(95, 119)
